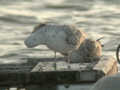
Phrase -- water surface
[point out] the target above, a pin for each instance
(98, 18)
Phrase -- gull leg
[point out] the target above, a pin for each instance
(68, 60)
(55, 60)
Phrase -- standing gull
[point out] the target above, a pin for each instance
(59, 38)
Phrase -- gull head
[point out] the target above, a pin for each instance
(37, 37)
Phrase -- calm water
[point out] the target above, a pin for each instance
(18, 17)
(99, 18)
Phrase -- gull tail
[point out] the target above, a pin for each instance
(99, 41)
(117, 53)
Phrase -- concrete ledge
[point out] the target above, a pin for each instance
(44, 73)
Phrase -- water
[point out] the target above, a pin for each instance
(99, 18)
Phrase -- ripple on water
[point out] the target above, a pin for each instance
(18, 19)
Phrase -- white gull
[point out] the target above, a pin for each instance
(59, 38)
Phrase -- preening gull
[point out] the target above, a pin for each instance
(59, 38)
(108, 83)
(90, 50)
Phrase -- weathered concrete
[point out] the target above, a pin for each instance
(45, 74)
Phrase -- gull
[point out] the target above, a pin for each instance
(90, 50)
(57, 37)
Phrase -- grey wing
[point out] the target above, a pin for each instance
(72, 36)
